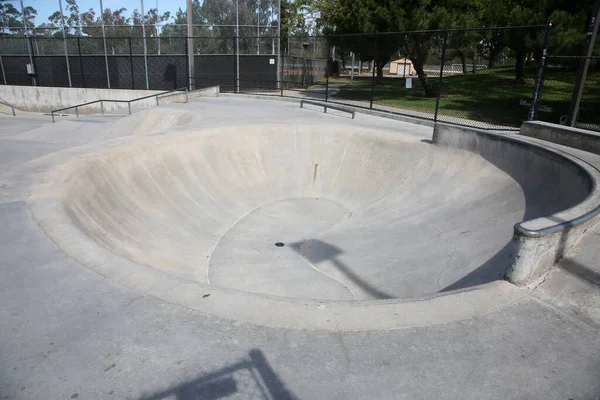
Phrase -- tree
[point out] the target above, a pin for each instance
(12, 19)
(362, 16)
(9, 17)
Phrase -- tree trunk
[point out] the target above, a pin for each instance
(418, 65)
(520, 61)
(463, 60)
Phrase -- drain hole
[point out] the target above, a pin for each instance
(279, 244)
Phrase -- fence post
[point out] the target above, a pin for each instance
(236, 53)
(537, 92)
(64, 30)
(80, 61)
(327, 72)
(131, 63)
(585, 64)
(280, 77)
(373, 74)
(234, 67)
(32, 59)
(2, 68)
(439, 88)
(104, 42)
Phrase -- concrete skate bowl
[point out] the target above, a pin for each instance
(270, 223)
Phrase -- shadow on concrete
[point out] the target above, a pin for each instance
(319, 251)
(251, 377)
(549, 184)
(580, 271)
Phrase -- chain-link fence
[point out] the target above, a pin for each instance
(488, 78)
(557, 92)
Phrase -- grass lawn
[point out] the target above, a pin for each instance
(488, 96)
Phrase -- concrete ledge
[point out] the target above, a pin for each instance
(45, 99)
(538, 243)
(573, 137)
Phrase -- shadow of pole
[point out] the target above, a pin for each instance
(264, 383)
(319, 251)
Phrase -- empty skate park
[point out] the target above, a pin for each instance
(169, 241)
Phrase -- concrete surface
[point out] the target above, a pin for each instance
(573, 137)
(68, 332)
(46, 99)
(539, 241)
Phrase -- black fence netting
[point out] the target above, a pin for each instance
(492, 78)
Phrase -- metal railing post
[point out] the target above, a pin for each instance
(129, 107)
(77, 111)
(439, 88)
(186, 95)
(537, 91)
(156, 100)
(52, 114)
(102, 107)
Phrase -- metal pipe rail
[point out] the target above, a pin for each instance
(326, 106)
(76, 107)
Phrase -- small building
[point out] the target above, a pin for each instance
(402, 66)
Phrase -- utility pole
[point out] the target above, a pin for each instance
(590, 40)
(190, 42)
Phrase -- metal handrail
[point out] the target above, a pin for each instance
(101, 101)
(11, 107)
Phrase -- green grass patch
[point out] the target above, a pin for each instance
(488, 96)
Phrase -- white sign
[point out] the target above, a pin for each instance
(272, 61)
(409, 83)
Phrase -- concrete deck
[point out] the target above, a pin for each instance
(69, 332)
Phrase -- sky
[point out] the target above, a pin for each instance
(45, 8)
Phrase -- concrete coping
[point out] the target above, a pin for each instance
(561, 134)
(537, 243)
